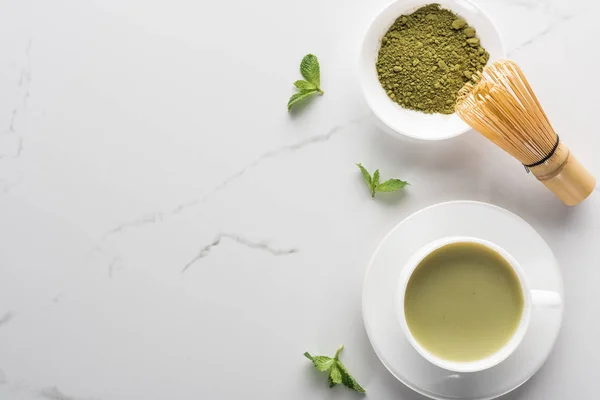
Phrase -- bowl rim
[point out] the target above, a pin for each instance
(362, 73)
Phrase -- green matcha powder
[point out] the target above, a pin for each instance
(426, 57)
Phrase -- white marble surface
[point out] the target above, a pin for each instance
(168, 231)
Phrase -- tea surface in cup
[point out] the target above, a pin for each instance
(463, 302)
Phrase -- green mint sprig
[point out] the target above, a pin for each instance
(337, 372)
(310, 70)
(391, 185)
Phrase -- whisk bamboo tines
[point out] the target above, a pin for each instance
(502, 106)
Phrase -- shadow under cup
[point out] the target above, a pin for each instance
(530, 298)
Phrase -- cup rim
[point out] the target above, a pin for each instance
(460, 366)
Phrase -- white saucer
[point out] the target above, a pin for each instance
(460, 218)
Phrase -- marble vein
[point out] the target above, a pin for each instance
(536, 6)
(6, 318)
(152, 218)
(111, 267)
(13, 117)
(25, 76)
(562, 20)
(263, 246)
(53, 393)
(23, 83)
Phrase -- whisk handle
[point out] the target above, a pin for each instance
(566, 177)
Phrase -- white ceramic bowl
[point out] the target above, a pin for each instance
(395, 119)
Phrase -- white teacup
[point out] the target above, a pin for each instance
(531, 299)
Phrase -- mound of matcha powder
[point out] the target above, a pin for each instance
(426, 57)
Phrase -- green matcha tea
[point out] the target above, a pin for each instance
(426, 57)
(463, 302)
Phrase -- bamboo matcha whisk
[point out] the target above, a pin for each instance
(502, 107)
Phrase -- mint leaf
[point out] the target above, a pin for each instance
(310, 70)
(296, 97)
(376, 178)
(335, 376)
(303, 85)
(366, 175)
(375, 182)
(337, 372)
(347, 379)
(391, 185)
(309, 67)
(322, 363)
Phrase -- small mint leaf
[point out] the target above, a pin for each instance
(375, 182)
(337, 372)
(335, 376)
(366, 175)
(376, 178)
(347, 379)
(303, 85)
(391, 185)
(296, 97)
(310, 70)
(322, 363)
